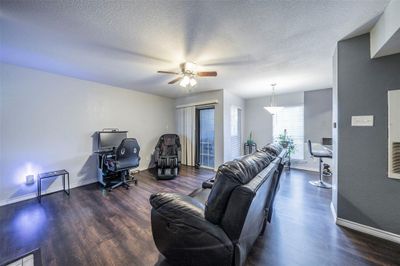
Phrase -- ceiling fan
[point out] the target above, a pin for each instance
(188, 74)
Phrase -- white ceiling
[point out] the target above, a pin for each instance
(123, 43)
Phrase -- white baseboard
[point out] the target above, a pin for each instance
(51, 190)
(306, 168)
(369, 230)
(364, 228)
(17, 199)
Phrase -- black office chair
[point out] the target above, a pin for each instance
(125, 158)
(319, 154)
(167, 156)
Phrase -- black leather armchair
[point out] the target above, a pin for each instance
(125, 158)
(167, 156)
(218, 229)
(183, 235)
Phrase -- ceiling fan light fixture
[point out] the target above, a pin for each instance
(185, 81)
(193, 82)
(190, 67)
(188, 75)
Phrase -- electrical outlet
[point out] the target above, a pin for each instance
(29, 179)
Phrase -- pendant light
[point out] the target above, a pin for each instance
(272, 108)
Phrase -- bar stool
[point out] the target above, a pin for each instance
(320, 155)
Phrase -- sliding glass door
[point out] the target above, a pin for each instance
(205, 137)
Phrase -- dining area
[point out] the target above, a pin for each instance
(323, 152)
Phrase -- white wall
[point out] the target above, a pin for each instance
(317, 124)
(259, 121)
(222, 119)
(231, 100)
(47, 122)
(219, 119)
(385, 35)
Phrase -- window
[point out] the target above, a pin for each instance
(292, 119)
(236, 128)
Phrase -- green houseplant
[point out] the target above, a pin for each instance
(287, 142)
(250, 140)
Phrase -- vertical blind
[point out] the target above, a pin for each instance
(186, 131)
(292, 119)
(236, 130)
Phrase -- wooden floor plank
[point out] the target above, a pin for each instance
(94, 227)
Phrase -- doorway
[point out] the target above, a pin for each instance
(205, 137)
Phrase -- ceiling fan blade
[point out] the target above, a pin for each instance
(207, 74)
(175, 80)
(168, 72)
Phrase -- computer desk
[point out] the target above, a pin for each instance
(102, 176)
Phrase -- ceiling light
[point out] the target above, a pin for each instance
(190, 67)
(185, 81)
(193, 82)
(272, 108)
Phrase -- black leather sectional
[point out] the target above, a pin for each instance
(219, 225)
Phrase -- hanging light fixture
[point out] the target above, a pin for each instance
(192, 82)
(187, 81)
(272, 108)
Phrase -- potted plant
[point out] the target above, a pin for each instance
(288, 143)
(250, 140)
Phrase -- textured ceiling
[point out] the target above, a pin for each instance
(123, 43)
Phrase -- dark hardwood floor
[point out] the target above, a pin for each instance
(94, 227)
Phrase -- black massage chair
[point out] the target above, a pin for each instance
(167, 156)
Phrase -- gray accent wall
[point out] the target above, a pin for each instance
(365, 193)
(317, 115)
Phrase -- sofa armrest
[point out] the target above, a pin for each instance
(185, 210)
(183, 235)
(177, 206)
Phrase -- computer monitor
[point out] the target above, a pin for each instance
(327, 141)
(111, 139)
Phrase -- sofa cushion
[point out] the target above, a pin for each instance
(229, 176)
(273, 148)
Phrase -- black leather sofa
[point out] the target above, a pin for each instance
(219, 225)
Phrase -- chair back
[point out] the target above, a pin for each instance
(169, 145)
(127, 154)
(310, 148)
